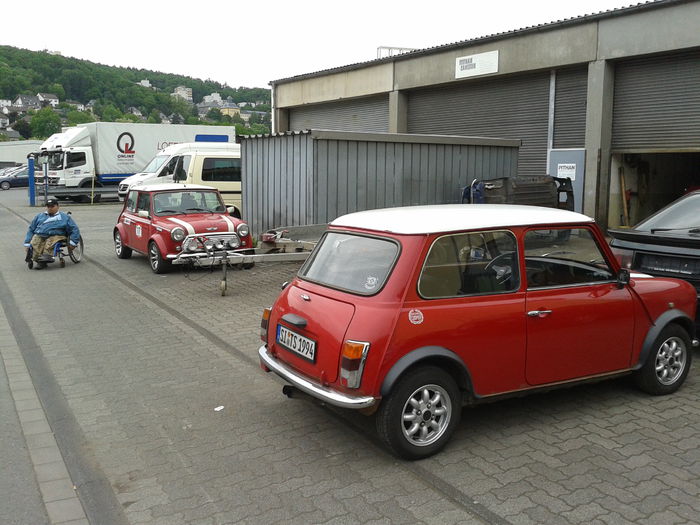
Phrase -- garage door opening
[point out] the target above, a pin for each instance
(649, 181)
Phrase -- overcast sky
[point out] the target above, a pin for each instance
(251, 43)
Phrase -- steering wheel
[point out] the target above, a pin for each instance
(502, 266)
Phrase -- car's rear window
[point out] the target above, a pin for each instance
(354, 263)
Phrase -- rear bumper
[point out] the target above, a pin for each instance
(311, 387)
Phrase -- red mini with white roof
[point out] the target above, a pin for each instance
(413, 312)
(180, 224)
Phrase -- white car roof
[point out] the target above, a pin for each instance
(171, 187)
(455, 217)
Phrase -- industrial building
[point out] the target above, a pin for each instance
(610, 99)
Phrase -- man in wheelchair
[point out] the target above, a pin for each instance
(47, 229)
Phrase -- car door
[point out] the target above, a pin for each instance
(579, 320)
(129, 219)
(471, 303)
(142, 224)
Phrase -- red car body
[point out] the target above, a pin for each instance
(180, 224)
(561, 311)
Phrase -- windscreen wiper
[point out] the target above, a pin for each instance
(690, 229)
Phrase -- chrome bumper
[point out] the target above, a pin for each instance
(206, 259)
(312, 387)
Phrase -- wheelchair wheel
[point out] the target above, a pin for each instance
(76, 254)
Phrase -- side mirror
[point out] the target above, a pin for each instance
(623, 277)
(143, 213)
(233, 211)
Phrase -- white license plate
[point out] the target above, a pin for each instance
(298, 344)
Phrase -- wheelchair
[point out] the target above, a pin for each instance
(60, 251)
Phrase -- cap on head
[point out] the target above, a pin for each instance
(51, 202)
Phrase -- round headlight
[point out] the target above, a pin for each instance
(178, 234)
(219, 244)
(192, 245)
(243, 230)
(234, 242)
(209, 244)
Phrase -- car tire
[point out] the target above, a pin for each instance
(668, 362)
(76, 254)
(158, 263)
(4, 185)
(405, 417)
(123, 252)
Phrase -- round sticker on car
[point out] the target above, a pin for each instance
(415, 316)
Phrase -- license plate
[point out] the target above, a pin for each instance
(298, 344)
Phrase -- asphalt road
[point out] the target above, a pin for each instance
(151, 393)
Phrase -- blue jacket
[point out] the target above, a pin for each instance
(46, 225)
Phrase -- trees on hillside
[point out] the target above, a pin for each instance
(44, 123)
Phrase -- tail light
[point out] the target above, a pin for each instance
(352, 363)
(623, 256)
(264, 323)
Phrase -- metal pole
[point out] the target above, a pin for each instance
(45, 165)
(30, 172)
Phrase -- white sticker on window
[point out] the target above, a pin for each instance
(138, 231)
(371, 282)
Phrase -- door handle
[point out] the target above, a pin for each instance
(539, 313)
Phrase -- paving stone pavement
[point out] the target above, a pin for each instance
(143, 360)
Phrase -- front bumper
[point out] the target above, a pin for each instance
(311, 387)
(209, 258)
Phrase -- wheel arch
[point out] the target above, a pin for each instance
(160, 243)
(668, 317)
(438, 356)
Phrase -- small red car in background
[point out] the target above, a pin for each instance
(414, 312)
(180, 224)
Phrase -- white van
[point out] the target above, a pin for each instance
(216, 164)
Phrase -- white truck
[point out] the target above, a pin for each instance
(99, 154)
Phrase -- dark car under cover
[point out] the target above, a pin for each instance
(667, 244)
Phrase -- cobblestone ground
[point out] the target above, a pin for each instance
(144, 360)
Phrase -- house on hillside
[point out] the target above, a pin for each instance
(135, 111)
(20, 110)
(28, 101)
(4, 102)
(4, 121)
(214, 98)
(230, 109)
(75, 104)
(183, 92)
(48, 98)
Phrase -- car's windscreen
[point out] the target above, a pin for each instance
(155, 164)
(351, 262)
(187, 202)
(682, 214)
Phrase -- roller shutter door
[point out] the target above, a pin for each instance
(513, 108)
(367, 114)
(570, 108)
(656, 105)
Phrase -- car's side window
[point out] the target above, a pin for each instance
(144, 202)
(564, 257)
(469, 264)
(131, 201)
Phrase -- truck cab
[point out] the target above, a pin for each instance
(71, 162)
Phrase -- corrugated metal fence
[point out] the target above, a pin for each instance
(312, 177)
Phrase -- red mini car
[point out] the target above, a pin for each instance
(180, 224)
(414, 312)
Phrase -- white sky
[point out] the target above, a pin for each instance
(255, 42)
